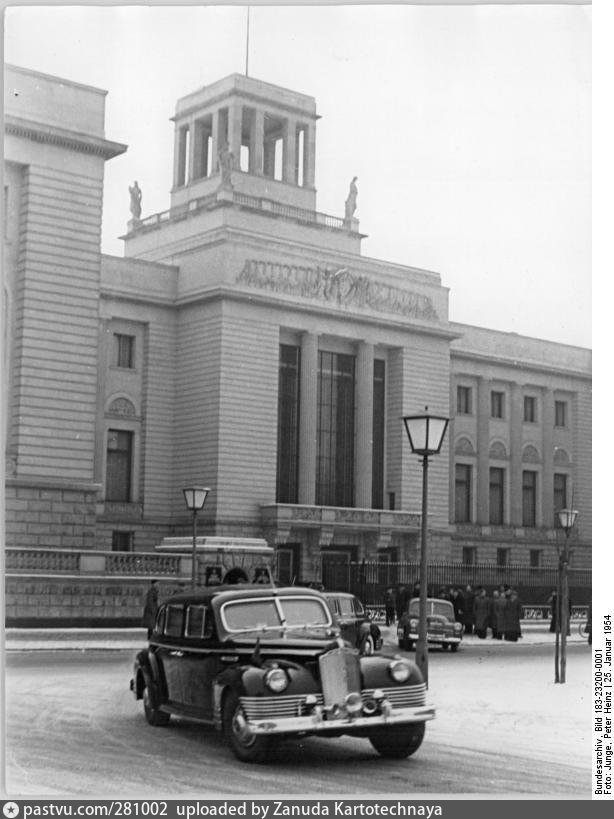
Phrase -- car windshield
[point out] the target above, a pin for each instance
(441, 607)
(261, 613)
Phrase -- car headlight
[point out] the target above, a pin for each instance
(399, 670)
(457, 626)
(413, 624)
(276, 680)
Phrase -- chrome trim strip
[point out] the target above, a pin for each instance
(315, 724)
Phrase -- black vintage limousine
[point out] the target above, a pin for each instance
(260, 663)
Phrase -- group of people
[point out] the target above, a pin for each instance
(500, 612)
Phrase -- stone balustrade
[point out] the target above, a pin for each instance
(127, 564)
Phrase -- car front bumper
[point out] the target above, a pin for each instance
(437, 639)
(322, 721)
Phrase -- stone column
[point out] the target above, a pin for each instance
(235, 121)
(257, 143)
(178, 153)
(289, 172)
(215, 141)
(308, 424)
(363, 467)
(516, 418)
(547, 487)
(191, 139)
(483, 443)
(310, 156)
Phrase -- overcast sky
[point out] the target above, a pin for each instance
(468, 128)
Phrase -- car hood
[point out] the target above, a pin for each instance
(312, 639)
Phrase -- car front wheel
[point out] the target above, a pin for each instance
(400, 743)
(454, 646)
(246, 746)
(152, 714)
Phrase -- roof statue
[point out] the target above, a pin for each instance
(136, 196)
(350, 202)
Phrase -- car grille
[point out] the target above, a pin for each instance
(401, 696)
(340, 675)
(262, 708)
(271, 708)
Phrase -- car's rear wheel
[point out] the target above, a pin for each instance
(246, 746)
(152, 713)
(399, 744)
(367, 647)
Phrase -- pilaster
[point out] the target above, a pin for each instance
(547, 487)
(364, 425)
(516, 417)
(483, 439)
(308, 430)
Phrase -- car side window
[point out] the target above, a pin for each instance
(345, 605)
(173, 626)
(358, 608)
(195, 621)
(159, 628)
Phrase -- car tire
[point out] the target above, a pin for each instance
(152, 714)
(399, 744)
(246, 746)
(454, 646)
(367, 647)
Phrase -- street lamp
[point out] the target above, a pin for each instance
(426, 433)
(195, 497)
(567, 519)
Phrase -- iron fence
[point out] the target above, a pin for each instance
(370, 579)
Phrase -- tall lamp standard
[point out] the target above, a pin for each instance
(426, 433)
(567, 519)
(195, 497)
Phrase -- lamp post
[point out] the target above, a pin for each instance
(567, 519)
(195, 497)
(426, 433)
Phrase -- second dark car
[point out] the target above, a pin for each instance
(354, 622)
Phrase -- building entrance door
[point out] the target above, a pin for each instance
(336, 570)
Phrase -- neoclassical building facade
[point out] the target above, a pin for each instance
(243, 342)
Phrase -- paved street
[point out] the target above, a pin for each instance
(74, 729)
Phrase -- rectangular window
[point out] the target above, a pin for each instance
(288, 423)
(335, 456)
(529, 497)
(560, 495)
(119, 466)
(560, 413)
(535, 558)
(497, 404)
(379, 411)
(503, 557)
(124, 350)
(392, 499)
(530, 409)
(497, 476)
(462, 506)
(122, 541)
(470, 555)
(195, 621)
(173, 626)
(463, 400)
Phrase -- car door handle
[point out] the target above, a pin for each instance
(176, 653)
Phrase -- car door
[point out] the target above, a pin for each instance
(347, 620)
(170, 652)
(202, 660)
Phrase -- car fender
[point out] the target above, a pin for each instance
(375, 673)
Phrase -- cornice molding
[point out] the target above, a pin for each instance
(63, 138)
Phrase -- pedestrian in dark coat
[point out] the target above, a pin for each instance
(389, 605)
(553, 602)
(401, 601)
(512, 613)
(151, 608)
(498, 615)
(468, 598)
(481, 612)
(457, 604)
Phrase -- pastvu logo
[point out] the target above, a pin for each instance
(10, 810)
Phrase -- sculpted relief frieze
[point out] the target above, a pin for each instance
(338, 287)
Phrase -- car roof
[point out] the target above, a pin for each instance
(337, 594)
(239, 590)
